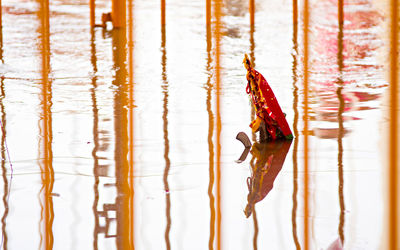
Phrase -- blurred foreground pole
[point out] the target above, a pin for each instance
(118, 13)
(92, 6)
(131, 123)
(393, 171)
(217, 37)
(121, 139)
(305, 120)
(45, 149)
(252, 11)
(162, 13)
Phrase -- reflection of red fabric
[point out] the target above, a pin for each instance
(270, 171)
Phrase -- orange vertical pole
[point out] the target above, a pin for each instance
(211, 127)
(131, 123)
(295, 123)
(393, 136)
(1, 16)
(217, 36)
(208, 13)
(251, 11)
(92, 6)
(305, 120)
(47, 172)
(162, 13)
(118, 13)
(165, 128)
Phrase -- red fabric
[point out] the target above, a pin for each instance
(274, 111)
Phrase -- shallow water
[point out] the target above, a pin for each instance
(70, 188)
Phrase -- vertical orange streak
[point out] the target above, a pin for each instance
(118, 13)
(251, 11)
(295, 122)
(47, 173)
(208, 14)
(92, 6)
(211, 128)
(252, 57)
(122, 201)
(7, 185)
(162, 12)
(256, 230)
(393, 172)
(340, 121)
(131, 123)
(305, 119)
(165, 129)
(217, 35)
(1, 33)
(93, 60)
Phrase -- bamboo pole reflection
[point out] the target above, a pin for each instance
(305, 120)
(209, 88)
(295, 122)
(393, 164)
(3, 168)
(46, 137)
(165, 126)
(252, 57)
(131, 123)
(118, 13)
(255, 237)
(253, 112)
(1, 34)
(217, 36)
(340, 121)
(121, 139)
(92, 7)
(97, 228)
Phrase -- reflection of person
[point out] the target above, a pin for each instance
(266, 163)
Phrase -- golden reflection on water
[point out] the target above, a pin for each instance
(46, 135)
(131, 127)
(209, 87)
(93, 59)
(295, 122)
(393, 135)
(4, 239)
(164, 87)
(340, 122)
(3, 167)
(305, 120)
(217, 39)
(122, 168)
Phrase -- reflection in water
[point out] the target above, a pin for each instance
(394, 104)
(165, 126)
(253, 111)
(208, 86)
(359, 22)
(217, 37)
(121, 139)
(295, 122)
(266, 163)
(340, 121)
(6, 186)
(305, 119)
(93, 60)
(46, 135)
(252, 57)
(130, 134)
